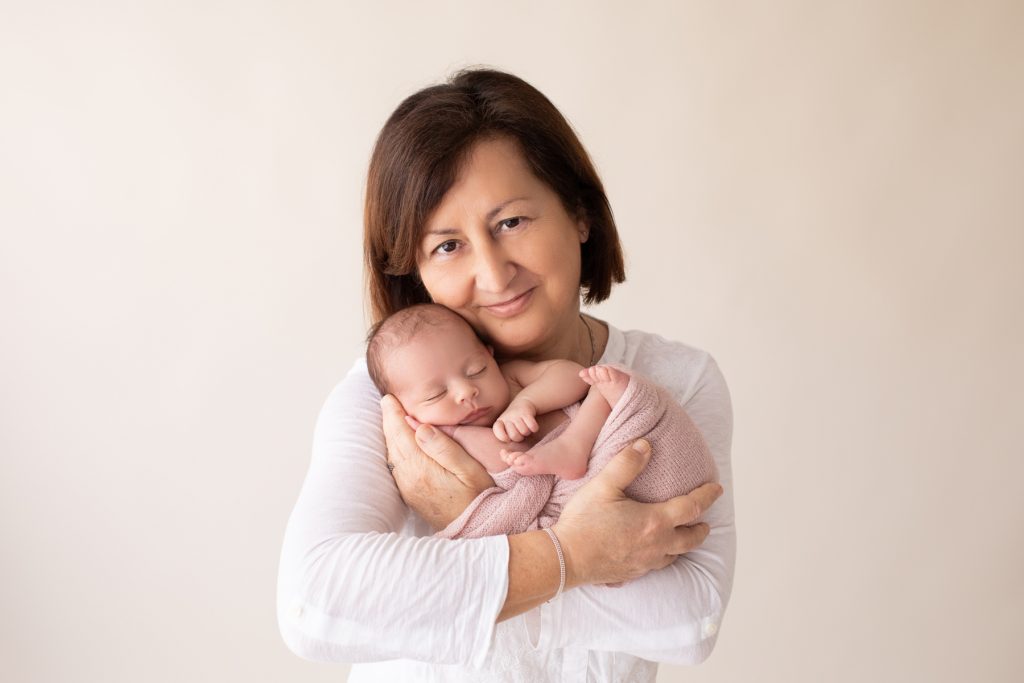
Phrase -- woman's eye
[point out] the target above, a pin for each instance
(510, 223)
(446, 247)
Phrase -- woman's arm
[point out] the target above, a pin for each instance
(671, 615)
(346, 578)
(605, 536)
(613, 539)
(352, 589)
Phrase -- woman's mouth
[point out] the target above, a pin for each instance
(510, 307)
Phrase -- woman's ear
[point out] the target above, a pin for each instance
(584, 230)
(490, 349)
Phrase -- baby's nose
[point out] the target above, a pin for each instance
(467, 391)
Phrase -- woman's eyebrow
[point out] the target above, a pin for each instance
(501, 207)
(490, 217)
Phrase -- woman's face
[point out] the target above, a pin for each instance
(501, 250)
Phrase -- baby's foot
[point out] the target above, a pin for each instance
(610, 382)
(523, 463)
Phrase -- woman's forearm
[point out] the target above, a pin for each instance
(533, 573)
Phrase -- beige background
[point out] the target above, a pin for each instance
(825, 195)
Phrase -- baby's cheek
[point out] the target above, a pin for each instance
(442, 415)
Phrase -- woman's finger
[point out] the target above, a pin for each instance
(688, 509)
(686, 538)
(622, 469)
(398, 435)
(450, 455)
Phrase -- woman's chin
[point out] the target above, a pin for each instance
(523, 335)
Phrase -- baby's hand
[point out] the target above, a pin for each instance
(517, 422)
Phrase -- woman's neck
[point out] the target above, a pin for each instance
(583, 340)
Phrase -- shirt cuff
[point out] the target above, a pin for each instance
(542, 623)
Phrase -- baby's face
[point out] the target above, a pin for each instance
(445, 376)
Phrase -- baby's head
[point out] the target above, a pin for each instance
(433, 362)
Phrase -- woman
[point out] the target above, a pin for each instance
(481, 198)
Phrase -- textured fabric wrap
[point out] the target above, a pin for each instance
(680, 462)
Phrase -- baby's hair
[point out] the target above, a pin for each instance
(400, 327)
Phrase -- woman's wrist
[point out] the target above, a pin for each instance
(561, 561)
(575, 574)
(534, 573)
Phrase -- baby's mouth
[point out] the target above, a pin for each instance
(475, 415)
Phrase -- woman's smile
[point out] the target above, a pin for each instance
(510, 307)
(502, 251)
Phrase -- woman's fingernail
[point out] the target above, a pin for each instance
(425, 433)
(641, 446)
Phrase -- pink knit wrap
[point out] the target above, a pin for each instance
(680, 462)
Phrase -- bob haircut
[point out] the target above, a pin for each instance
(417, 159)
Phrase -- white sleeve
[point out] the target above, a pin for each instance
(671, 615)
(350, 588)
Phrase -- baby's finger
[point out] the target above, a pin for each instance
(499, 431)
(513, 431)
(531, 423)
(521, 430)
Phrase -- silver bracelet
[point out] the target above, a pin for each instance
(561, 562)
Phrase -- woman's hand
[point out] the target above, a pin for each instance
(435, 476)
(609, 538)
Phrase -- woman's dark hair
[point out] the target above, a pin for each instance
(417, 158)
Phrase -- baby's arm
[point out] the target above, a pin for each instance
(548, 385)
(568, 455)
(480, 443)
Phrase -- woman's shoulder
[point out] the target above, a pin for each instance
(356, 391)
(679, 367)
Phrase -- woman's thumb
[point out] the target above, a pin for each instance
(440, 448)
(447, 453)
(626, 465)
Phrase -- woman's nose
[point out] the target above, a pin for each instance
(494, 269)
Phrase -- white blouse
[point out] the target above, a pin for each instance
(361, 578)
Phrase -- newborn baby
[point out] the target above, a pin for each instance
(522, 419)
(432, 361)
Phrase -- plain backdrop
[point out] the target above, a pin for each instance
(825, 195)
